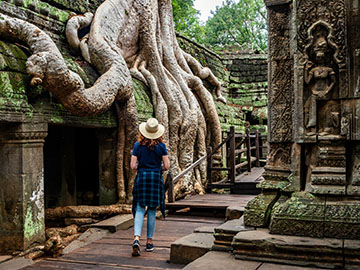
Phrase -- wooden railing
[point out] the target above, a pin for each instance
(235, 145)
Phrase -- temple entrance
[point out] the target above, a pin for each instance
(71, 167)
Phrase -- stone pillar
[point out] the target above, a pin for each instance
(283, 164)
(22, 220)
(325, 122)
(107, 166)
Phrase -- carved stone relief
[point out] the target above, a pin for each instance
(355, 170)
(280, 75)
(320, 78)
(279, 155)
(333, 14)
(326, 168)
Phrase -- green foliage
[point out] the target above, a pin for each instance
(238, 26)
(186, 19)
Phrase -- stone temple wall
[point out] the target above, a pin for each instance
(244, 78)
(248, 85)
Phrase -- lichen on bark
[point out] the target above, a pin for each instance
(131, 38)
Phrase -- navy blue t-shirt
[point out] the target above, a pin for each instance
(149, 160)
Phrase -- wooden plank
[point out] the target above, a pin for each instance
(239, 151)
(209, 165)
(257, 146)
(169, 179)
(188, 169)
(232, 163)
(219, 169)
(211, 201)
(252, 176)
(242, 164)
(248, 147)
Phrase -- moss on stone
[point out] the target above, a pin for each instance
(79, 6)
(13, 58)
(230, 115)
(54, 12)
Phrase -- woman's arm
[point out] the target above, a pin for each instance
(133, 162)
(166, 162)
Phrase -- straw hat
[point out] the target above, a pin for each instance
(151, 129)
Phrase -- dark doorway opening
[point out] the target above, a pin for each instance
(71, 170)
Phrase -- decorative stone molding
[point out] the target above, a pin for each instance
(23, 133)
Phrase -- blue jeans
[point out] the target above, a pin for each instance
(139, 218)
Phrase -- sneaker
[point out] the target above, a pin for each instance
(149, 247)
(136, 248)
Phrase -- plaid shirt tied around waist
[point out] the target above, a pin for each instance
(149, 190)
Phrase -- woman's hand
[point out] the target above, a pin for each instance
(166, 163)
(133, 163)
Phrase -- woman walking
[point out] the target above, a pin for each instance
(149, 158)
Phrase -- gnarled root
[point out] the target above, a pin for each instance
(205, 73)
(73, 25)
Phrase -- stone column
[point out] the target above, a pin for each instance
(22, 220)
(283, 164)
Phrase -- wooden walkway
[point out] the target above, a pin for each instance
(250, 177)
(208, 203)
(114, 250)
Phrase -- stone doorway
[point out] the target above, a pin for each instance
(71, 167)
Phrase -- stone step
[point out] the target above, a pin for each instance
(215, 260)
(225, 233)
(330, 253)
(192, 246)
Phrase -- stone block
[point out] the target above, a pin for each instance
(225, 233)
(205, 229)
(120, 222)
(304, 251)
(257, 210)
(215, 260)
(190, 247)
(352, 254)
(301, 215)
(234, 212)
(342, 219)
